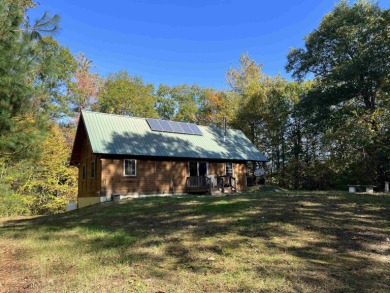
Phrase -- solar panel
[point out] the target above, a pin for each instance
(195, 128)
(176, 127)
(165, 126)
(154, 125)
(186, 128)
(173, 127)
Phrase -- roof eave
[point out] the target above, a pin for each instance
(108, 155)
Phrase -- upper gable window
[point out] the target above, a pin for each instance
(129, 167)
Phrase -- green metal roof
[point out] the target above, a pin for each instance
(123, 135)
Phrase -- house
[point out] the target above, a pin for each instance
(122, 156)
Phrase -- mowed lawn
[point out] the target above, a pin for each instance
(261, 242)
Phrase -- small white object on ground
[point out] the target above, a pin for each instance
(71, 206)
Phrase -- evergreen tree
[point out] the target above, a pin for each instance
(21, 125)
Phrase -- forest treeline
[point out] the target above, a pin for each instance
(326, 129)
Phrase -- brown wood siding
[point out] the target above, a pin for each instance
(159, 177)
(239, 172)
(216, 169)
(152, 177)
(156, 177)
(240, 175)
(89, 187)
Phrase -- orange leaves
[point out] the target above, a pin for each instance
(86, 85)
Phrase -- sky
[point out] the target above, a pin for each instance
(174, 42)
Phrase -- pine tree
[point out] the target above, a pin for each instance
(21, 125)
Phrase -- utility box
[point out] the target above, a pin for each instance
(116, 196)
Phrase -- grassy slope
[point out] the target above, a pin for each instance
(254, 242)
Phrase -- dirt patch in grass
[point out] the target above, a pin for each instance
(285, 242)
(13, 275)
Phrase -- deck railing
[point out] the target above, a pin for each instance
(226, 181)
(198, 184)
(205, 184)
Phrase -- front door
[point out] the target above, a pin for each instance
(198, 168)
(202, 168)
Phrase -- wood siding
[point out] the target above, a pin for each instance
(89, 187)
(240, 175)
(239, 172)
(156, 177)
(152, 176)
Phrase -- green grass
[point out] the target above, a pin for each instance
(264, 242)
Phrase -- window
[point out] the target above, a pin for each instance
(84, 172)
(193, 169)
(197, 168)
(93, 169)
(129, 167)
(229, 169)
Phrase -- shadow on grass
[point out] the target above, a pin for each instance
(340, 237)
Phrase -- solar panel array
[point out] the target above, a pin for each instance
(173, 127)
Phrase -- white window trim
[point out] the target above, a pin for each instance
(207, 167)
(232, 168)
(94, 169)
(124, 168)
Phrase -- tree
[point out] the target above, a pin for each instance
(249, 82)
(166, 106)
(349, 57)
(178, 102)
(214, 106)
(263, 112)
(127, 95)
(85, 86)
(52, 180)
(53, 70)
(45, 184)
(21, 125)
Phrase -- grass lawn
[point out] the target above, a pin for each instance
(261, 242)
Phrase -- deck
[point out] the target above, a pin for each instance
(203, 184)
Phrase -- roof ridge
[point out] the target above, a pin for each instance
(136, 117)
(113, 114)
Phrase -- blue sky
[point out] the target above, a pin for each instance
(174, 42)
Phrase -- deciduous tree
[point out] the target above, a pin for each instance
(127, 95)
(349, 56)
(85, 86)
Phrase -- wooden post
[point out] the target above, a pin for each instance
(386, 186)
